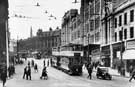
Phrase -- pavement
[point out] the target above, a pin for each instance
(59, 79)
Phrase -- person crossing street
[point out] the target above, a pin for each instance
(28, 73)
(25, 72)
(90, 68)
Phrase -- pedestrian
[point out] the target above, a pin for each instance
(48, 62)
(36, 68)
(9, 71)
(4, 76)
(133, 75)
(25, 72)
(130, 70)
(51, 61)
(28, 63)
(44, 62)
(28, 73)
(44, 74)
(32, 63)
(90, 68)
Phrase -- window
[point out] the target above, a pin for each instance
(115, 20)
(120, 20)
(120, 35)
(125, 18)
(115, 36)
(97, 36)
(125, 33)
(131, 32)
(131, 15)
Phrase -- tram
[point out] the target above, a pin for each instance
(70, 60)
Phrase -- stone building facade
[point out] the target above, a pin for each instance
(43, 42)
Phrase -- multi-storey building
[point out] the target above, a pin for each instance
(49, 39)
(3, 26)
(68, 25)
(91, 15)
(118, 26)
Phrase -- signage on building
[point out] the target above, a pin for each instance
(118, 54)
(130, 44)
(95, 52)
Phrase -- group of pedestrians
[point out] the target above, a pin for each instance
(27, 70)
(44, 62)
(11, 70)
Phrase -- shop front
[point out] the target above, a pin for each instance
(129, 55)
(117, 60)
(95, 55)
(105, 57)
(91, 52)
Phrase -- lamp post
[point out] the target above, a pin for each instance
(89, 59)
(18, 49)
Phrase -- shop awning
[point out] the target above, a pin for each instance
(129, 54)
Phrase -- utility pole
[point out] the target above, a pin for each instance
(121, 46)
(89, 58)
(17, 49)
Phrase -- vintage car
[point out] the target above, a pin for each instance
(102, 72)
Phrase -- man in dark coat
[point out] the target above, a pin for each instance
(9, 71)
(48, 63)
(25, 72)
(28, 74)
(44, 62)
(36, 68)
(90, 68)
(4, 76)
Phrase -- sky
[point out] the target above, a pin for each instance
(35, 16)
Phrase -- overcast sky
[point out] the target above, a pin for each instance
(36, 17)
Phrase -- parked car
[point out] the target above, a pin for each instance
(103, 73)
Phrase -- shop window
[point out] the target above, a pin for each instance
(131, 32)
(131, 15)
(125, 18)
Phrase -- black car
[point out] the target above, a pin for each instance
(102, 72)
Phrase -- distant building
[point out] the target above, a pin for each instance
(3, 26)
(12, 46)
(43, 42)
